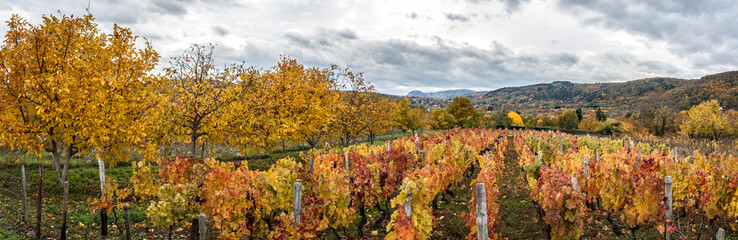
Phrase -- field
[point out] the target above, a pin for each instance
(517, 214)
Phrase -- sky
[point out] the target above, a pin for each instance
(402, 46)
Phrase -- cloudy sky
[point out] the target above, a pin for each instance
(436, 45)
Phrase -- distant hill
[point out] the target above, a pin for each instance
(443, 94)
(619, 97)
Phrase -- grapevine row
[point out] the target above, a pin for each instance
(337, 188)
(621, 178)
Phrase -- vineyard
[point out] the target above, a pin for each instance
(575, 187)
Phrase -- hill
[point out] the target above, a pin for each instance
(442, 94)
(618, 98)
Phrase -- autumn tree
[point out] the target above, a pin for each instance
(289, 102)
(354, 112)
(442, 119)
(516, 119)
(568, 120)
(659, 121)
(405, 118)
(420, 117)
(382, 111)
(67, 88)
(198, 94)
(589, 123)
(462, 110)
(706, 121)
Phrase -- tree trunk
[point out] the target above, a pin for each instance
(193, 144)
(194, 229)
(63, 177)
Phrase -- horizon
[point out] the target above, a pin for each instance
(435, 46)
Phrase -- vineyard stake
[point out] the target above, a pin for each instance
(388, 148)
(201, 222)
(423, 159)
(720, 234)
(39, 202)
(345, 154)
(481, 212)
(675, 155)
(127, 221)
(667, 191)
(25, 195)
(103, 213)
(408, 205)
(311, 163)
(297, 200)
(65, 202)
(574, 184)
(597, 154)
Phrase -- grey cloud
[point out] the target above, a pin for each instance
(510, 5)
(456, 17)
(412, 15)
(393, 64)
(221, 30)
(692, 28)
(170, 7)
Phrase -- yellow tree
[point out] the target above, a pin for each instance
(705, 121)
(354, 113)
(289, 102)
(382, 112)
(442, 119)
(66, 88)
(589, 123)
(198, 95)
(516, 119)
(405, 119)
(419, 118)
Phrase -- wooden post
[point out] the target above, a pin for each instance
(417, 144)
(720, 234)
(311, 163)
(297, 200)
(388, 147)
(481, 212)
(345, 155)
(103, 213)
(423, 159)
(39, 202)
(667, 191)
(561, 148)
(597, 155)
(25, 195)
(540, 156)
(674, 156)
(574, 184)
(202, 229)
(408, 204)
(65, 202)
(127, 221)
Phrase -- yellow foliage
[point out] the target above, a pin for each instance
(68, 89)
(516, 119)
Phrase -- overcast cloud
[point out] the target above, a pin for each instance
(436, 45)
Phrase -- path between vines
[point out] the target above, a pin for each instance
(518, 218)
